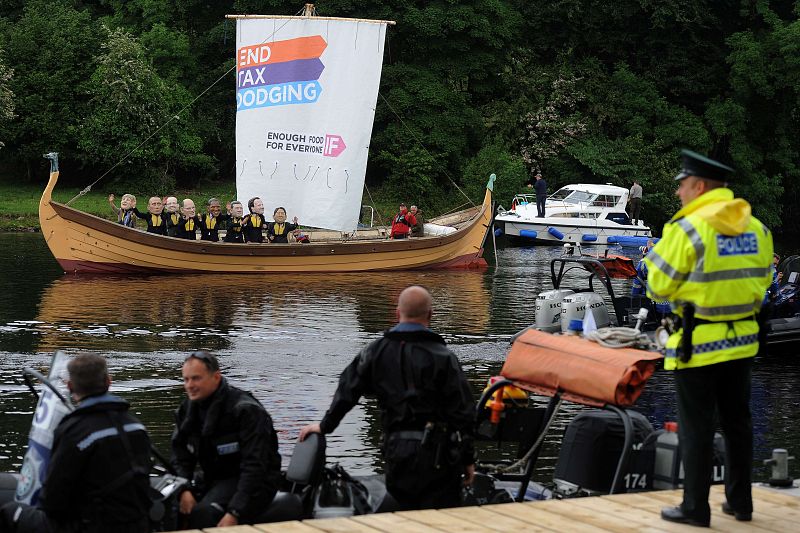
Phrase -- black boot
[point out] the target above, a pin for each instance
(741, 517)
(676, 514)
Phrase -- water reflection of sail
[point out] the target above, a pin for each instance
(230, 311)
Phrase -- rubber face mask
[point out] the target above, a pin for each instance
(280, 216)
(155, 206)
(171, 205)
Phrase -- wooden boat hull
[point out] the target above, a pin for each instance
(82, 242)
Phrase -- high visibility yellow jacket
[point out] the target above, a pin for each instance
(716, 256)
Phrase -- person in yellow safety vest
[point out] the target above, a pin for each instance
(713, 265)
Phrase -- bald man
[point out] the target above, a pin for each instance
(426, 407)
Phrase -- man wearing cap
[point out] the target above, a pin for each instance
(229, 434)
(541, 195)
(713, 265)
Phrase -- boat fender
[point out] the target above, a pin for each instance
(528, 233)
(555, 233)
(589, 237)
(613, 239)
(498, 232)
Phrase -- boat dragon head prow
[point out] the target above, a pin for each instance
(53, 157)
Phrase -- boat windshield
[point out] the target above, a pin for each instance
(580, 197)
(560, 194)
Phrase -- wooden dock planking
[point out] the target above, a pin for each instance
(531, 513)
(620, 513)
(294, 526)
(639, 519)
(440, 521)
(392, 522)
(495, 521)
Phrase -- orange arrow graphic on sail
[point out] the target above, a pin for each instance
(280, 51)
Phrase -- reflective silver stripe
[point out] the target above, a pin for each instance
(696, 240)
(665, 267)
(727, 275)
(108, 432)
(725, 309)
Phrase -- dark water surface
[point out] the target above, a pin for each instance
(287, 338)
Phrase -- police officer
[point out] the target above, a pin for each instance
(426, 407)
(713, 265)
(97, 479)
(228, 433)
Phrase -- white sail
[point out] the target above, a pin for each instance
(306, 94)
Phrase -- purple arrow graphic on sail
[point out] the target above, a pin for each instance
(274, 73)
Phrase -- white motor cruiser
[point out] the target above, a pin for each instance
(581, 213)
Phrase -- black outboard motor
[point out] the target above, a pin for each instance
(591, 450)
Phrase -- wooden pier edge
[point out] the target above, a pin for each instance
(775, 510)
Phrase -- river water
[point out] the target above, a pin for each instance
(287, 338)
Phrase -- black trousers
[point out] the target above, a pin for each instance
(416, 480)
(724, 390)
(540, 201)
(213, 504)
(636, 207)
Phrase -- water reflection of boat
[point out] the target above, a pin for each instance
(160, 312)
(581, 213)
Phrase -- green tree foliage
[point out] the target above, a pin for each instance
(494, 158)
(578, 89)
(51, 49)
(6, 97)
(129, 103)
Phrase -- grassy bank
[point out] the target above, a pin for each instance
(19, 204)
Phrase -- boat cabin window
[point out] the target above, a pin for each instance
(619, 218)
(605, 200)
(560, 194)
(588, 215)
(564, 215)
(580, 197)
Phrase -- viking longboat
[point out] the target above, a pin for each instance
(82, 242)
(306, 92)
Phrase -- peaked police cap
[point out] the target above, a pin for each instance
(701, 166)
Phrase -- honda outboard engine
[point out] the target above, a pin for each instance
(548, 309)
(574, 307)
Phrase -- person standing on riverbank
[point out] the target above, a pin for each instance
(427, 409)
(714, 265)
(230, 435)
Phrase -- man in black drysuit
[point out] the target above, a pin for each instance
(426, 406)
(97, 479)
(229, 434)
